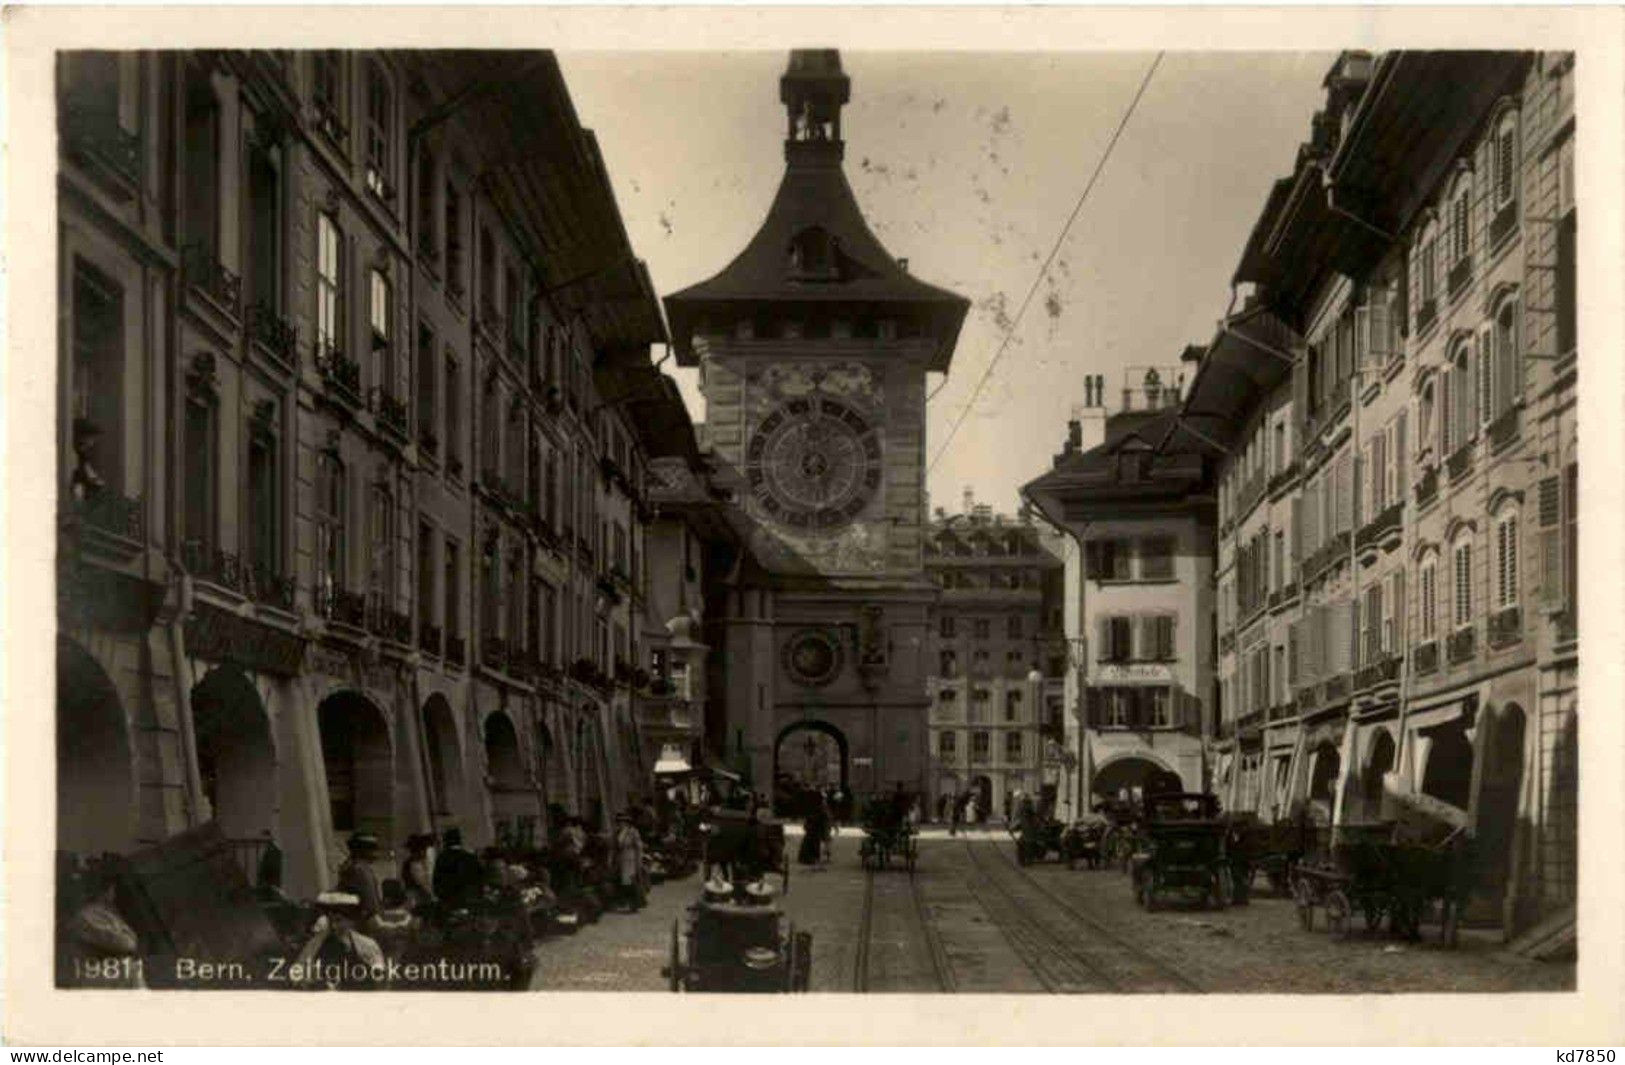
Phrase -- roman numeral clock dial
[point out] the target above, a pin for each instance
(813, 463)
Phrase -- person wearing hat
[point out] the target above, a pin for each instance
(85, 484)
(416, 878)
(629, 862)
(357, 876)
(458, 878)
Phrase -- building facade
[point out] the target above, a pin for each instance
(354, 451)
(1139, 508)
(1396, 552)
(813, 347)
(996, 657)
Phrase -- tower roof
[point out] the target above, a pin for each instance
(814, 247)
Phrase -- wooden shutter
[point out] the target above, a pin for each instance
(1401, 477)
(1345, 492)
(1300, 387)
(1485, 380)
(1380, 329)
(1549, 535)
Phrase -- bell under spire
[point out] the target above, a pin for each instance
(813, 90)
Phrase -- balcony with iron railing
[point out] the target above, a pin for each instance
(269, 588)
(428, 636)
(94, 137)
(1375, 673)
(210, 564)
(456, 649)
(1505, 627)
(391, 413)
(1427, 489)
(272, 332)
(340, 374)
(1283, 479)
(1380, 530)
(1334, 690)
(1504, 429)
(342, 606)
(109, 512)
(1503, 224)
(1425, 658)
(1427, 314)
(1461, 645)
(494, 652)
(1458, 277)
(202, 270)
(393, 625)
(1460, 462)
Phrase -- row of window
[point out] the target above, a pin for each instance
(1147, 559)
(1137, 638)
(1336, 638)
(981, 663)
(981, 745)
(948, 626)
(948, 702)
(1124, 707)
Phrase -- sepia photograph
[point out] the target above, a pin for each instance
(808, 520)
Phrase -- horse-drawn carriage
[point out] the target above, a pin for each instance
(738, 940)
(887, 835)
(1182, 848)
(1085, 841)
(1272, 848)
(1380, 870)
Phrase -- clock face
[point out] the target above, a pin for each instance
(814, 463)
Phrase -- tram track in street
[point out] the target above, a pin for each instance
(1131, 968)
(866, 921)
(920, 944)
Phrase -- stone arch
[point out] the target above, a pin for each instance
(236, 754)
(513, 800)
(1325, 769)
(358, 761)
(444, 754)
(1130, 771)
(1447, 772)
(97, 798)
(823, 728)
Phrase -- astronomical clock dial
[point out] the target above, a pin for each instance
(813, 463)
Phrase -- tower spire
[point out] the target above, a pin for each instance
(813, 90)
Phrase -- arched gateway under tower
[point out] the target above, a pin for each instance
(815, 343)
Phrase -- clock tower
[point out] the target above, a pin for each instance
(813, 347)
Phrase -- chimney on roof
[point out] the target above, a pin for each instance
(1074, 435)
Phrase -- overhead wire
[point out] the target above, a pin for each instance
(1043, 271)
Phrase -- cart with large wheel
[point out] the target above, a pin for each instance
(738, 940)
(1344, 871)
(884, 843)
(1084, 840)
(1182, 850)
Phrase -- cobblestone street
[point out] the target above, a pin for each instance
(970, 920)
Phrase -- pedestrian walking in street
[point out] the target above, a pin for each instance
(956, 812)
(629, 862)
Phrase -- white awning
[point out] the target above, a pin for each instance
(671, 764)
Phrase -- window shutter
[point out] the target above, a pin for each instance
(1549, 535)
(1444, 413)
(1485, 410)
(1362, 337)
(1381, 330)
(1300, 386)
(1345, 499)
(1397, 462)
(1297, 531)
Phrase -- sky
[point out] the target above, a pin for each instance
(968, 165)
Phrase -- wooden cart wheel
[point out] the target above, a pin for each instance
(674, 969)
(1339, 912)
